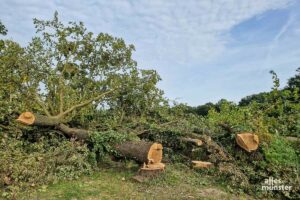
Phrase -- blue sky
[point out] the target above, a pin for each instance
(204, 50)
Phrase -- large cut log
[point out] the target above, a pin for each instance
(247, 141)
(142, 151)
(28, 118)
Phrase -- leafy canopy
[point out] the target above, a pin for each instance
(66, 68)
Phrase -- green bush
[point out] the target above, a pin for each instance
(26, 165)
(279, 152)
(103, 142)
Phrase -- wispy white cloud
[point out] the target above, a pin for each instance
(187, 30)
(275, 40)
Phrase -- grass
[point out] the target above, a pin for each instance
(178, 182)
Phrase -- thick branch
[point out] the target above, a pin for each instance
(39, 101)
(196, 142)
(61, 99)
(83, 103)
(28, 118)
(80, 134)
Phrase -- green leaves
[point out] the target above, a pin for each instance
(65, 65)
(3, 30)
(103, 142)
(279, 152)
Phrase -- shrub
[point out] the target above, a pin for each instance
(26, 165)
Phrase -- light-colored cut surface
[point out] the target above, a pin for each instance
(247, 141)
(27, 118)
(155, 153)
(201, 164)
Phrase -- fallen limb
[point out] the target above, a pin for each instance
(29, 118)
(196, 142)
(80, 134)
(201, 164)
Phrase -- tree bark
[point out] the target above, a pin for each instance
(196, 142)
(142, 151)
(31, 119)
(80, 134)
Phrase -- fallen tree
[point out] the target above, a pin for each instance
(149, 153)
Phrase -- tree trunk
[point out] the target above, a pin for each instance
(142, 151)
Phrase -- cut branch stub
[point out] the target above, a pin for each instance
(142, 151)
(196, 142)
(29, 118)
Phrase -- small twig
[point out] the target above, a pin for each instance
(39, 101)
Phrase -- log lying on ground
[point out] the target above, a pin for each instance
(148, 153)
(142, 151)
(201, 164)
(247, 141)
